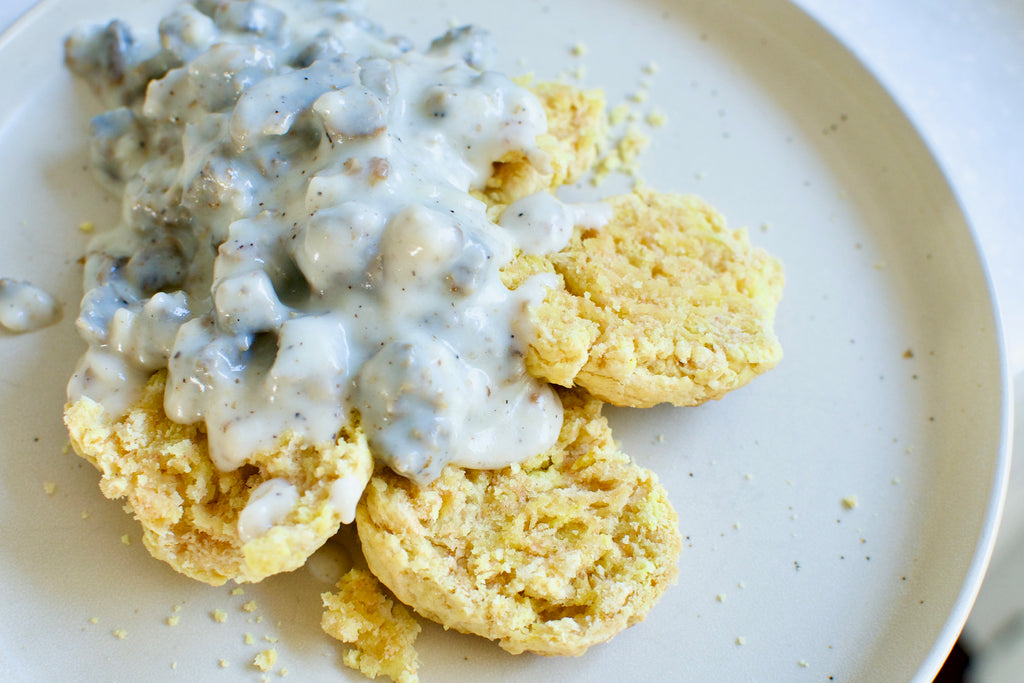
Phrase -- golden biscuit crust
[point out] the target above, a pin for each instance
(551, 556)
(663, 304)
(189, 509)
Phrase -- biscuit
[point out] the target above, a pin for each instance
(577, 131)
(663, 304)
(189, 509)
(380, 630)
(551, 556)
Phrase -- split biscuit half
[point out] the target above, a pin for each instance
(665, 303)
(551, 556)
(189, 509)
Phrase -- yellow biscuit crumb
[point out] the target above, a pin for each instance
(172, 621)
(651, 67)
(720, 597)
(85, 514)
(94, 620)
(249, 639)
(850, 502)
(249, 606)
(126, 539)
(223, 663)
(656, 118)
(579, 50)
(49, 487)
(237, 590)
(86, 226)
(618, 114)
(119, 633)
(740, 640)
(265, 659)
(381, 630)
(270, 639)
(219, 616)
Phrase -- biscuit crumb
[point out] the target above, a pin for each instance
(381, 630)
(579, 50)
(50, 487)
(651, 67)
(172, 621)
(270, 639)
(223, 663)
(249, 606)
(94, 620)
(237, 590)
(720, 597)
(126, 539)
(86, 226)
(249, 639)
(85, 514)
(623, 155)
(265, 659)
(656, 118)
(850, 502)
(803, 663)
(740, 640)
(618, 114)
(219, 616)
(119, 633)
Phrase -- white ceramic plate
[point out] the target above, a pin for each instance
(892, 389)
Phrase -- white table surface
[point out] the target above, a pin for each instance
(957, 69)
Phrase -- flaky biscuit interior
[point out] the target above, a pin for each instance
(665, 303)
(551, 556)
(189, 509)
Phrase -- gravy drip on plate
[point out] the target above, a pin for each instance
(25, 307)
(299, 242)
